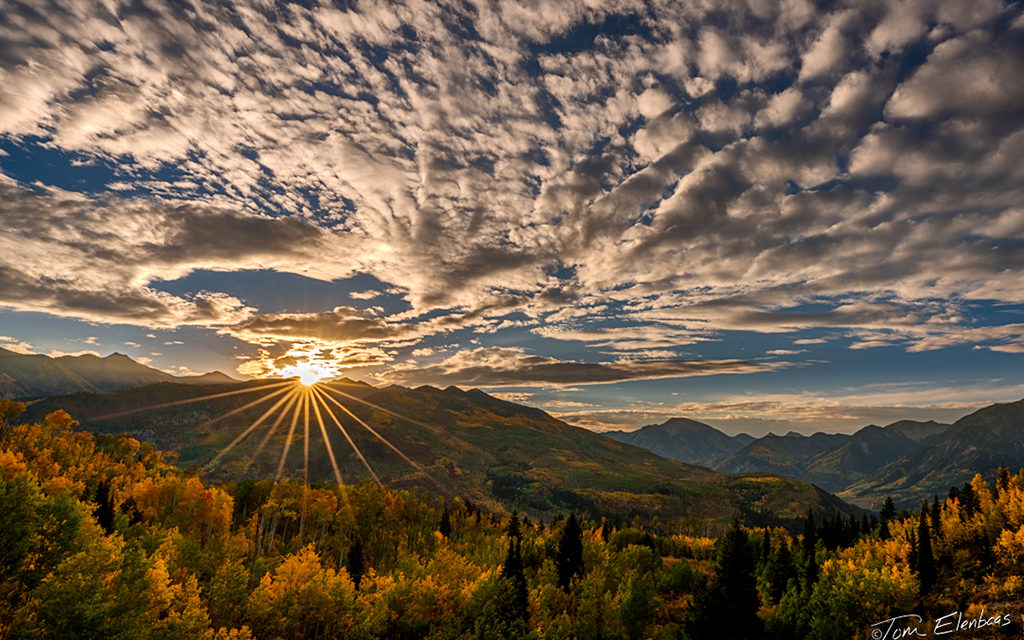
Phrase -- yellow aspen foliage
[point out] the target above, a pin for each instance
(303, 599)
(62, 486)
(242, 633)
(11, 464)
(1011, 502)
(1010, 548)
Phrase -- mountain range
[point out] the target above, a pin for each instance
(33, 375)
(497, 454)
(977, 443)
(504, 454)
(906, 460)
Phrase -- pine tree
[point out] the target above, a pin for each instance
(105, 507)
(445, 526)
(780, 571)
(356, 563)
(810, 569)
(926, 569)
(936, 517)
(1002, 478)
(569, 559)
(731, 602)
(512, 571)
(810, 532)
(888, 510)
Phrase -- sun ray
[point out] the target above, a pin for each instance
(374, 432)
(273, 428)
(291, 434)
(375, 406)
(190, 400)
(317, 401)
(305, 434)
(412, 462)
(252, 427)
(355, 448)
(246, 406)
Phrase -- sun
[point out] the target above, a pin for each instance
(307, 373)
(309, 378)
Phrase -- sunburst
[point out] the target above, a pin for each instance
(303, 399)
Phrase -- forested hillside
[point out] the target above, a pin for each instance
(101, 538)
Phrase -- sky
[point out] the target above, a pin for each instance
(766, 215)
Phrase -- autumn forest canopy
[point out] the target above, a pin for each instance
(103, 538)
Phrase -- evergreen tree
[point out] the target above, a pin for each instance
(926, 569)
(810, 569)
(727, 608)
(445, 526)
(766, 546)
(569, 559)
(810, 532)
(512, 571)
(888, 510)
(780, 572)
(105, 507)
(936, 517)
(969, 502)
(356, 563)
(1002, 478)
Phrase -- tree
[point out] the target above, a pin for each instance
(104, 513)
(728, 607)
(445, 527)
(9, 412)
(926, 569)
(569, 559)
(779, 572)
(936, 517)
(888, 510)
(637, 608)
(355, 562)
(512, 571)
(810, 532)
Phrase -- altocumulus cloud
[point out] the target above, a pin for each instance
(497, 367)
(685, 167)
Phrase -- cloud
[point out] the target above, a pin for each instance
(964, 76)
(97, 258)
(17, 346)
(503, 367)
(57, 353)
(498, 171)
(1008, 348)
(807, 412)
(342, 324)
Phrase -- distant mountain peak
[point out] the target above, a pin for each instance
(684, 440)
(35, 375)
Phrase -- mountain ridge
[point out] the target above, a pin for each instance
(34, 375)
(976, 443)
(496, 453)
(683, 440)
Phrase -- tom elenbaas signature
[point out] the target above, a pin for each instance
(912, 625)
